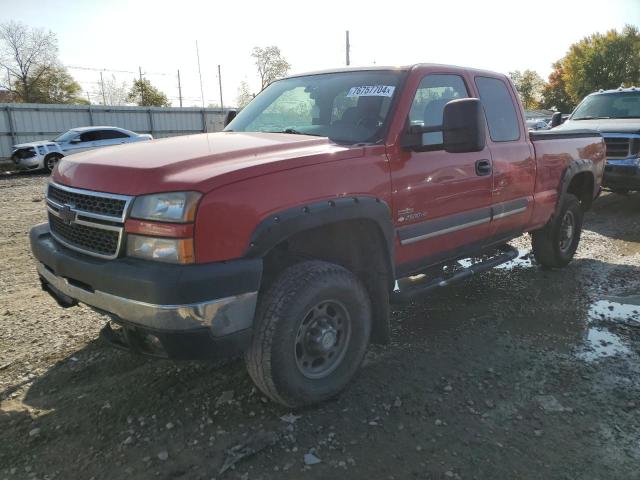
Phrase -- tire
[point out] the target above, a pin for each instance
(555, 244)
(312, 308)
(50, 161)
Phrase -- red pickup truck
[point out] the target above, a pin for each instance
(286, 236)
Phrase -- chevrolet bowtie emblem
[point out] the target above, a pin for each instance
(66, 215)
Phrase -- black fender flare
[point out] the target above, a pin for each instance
(281, 225)
(575, 167)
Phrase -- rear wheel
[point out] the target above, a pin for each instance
(51, 160)
(311, 333)
(556, 243)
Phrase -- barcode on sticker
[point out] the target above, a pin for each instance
(371, 91)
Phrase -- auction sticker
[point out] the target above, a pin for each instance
(371, 91)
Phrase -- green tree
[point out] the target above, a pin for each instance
(270, 63)
(554, 92)
(27, 54)
(144, 94)
(605, 61)
(55, 85)
(529, 85)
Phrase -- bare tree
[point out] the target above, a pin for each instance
(115, 93)
(270, 63)
(28, 55)
(244, 95)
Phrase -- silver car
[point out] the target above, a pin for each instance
(45, 154)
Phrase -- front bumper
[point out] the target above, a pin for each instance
(31, 163)
(181, 306)
(621, 175)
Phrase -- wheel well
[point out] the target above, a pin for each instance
(358, 245)
(581, 186)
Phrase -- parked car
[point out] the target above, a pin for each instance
(616, 114)
(537, 124)
(284, 236)
(45, 154)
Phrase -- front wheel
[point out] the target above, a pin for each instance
(556, 243)
(311, 333)
(51, 161)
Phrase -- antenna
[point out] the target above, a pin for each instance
(200, 74)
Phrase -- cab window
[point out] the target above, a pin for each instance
(433, 93)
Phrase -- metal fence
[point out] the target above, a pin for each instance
(26, 122)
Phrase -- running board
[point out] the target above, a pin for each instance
(408, 288)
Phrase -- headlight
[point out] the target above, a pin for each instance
(178, 207)
(170, 250)
(638, 161)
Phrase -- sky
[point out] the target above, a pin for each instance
(119, 36)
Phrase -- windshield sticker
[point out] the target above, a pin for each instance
(371, 91)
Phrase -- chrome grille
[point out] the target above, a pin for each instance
(86, 221)
(88, 239)
(617, 147)
(113, 207)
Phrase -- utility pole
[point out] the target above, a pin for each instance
(141, 87)
(104, 101)
(220, 83)
(9, 79)
(200, 74)
(88, 97)
(348, 48)
(179, 89)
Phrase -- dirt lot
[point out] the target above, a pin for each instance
(519, 373)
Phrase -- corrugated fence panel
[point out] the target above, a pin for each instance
(43, 122)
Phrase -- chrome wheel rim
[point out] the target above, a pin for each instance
(322, 339)
(567, 230)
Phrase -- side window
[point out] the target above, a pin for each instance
(434, 92)
(111, 134)
(88, 137)
(499, 110)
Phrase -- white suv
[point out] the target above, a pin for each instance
(45, 154)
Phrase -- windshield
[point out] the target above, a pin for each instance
(347, 107)
(609, 105)
(65, 136)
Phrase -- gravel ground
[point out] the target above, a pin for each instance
(518, 373)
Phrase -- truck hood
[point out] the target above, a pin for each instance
(195, 162)
(612, 125)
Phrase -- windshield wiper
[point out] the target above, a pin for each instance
(590, 117)
(293, 131)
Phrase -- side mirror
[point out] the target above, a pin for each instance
(462, 129)
(556, 119)
(463, 126)
(231, 114)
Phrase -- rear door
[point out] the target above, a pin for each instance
(104, 138)
(514, 168)
(441, 201)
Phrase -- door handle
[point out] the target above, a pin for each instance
(483, 167)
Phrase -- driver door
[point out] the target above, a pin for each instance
(441, 200)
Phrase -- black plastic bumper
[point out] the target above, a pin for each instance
(622, 177)
(171, 311)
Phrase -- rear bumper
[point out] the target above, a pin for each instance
(172, 308)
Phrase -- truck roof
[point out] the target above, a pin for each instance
(617, 90)
(400, 68)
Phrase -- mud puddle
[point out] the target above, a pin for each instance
(606, 335)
